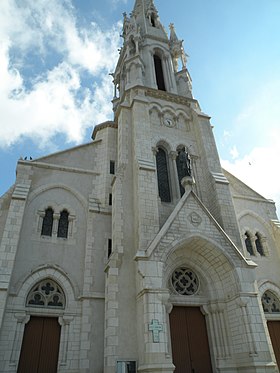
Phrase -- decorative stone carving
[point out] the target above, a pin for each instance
(155, 327)
(195, 219)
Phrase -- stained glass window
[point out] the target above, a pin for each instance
(46, 294)
(63, 223)
(270, 303)
(162, 176)
(47, 223)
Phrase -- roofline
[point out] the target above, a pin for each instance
(101, 126)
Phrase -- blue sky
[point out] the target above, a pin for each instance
(55, 56)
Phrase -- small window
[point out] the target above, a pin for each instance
(126, 366)
(110, 199)
(153, 20)
(109, 247)
(112, 167)
(63, 224)
(259, 245)
(270, 303)
(47, 222)
(248, 243)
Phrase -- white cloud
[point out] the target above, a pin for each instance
(256, 133)
(234, 152)
(56, 101)
(259, 170)
(258, 122)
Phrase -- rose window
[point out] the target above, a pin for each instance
(184, 281)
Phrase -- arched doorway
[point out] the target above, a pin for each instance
(188, 331)
(271, 307)
(41, 339)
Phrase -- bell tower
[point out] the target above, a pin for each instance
(148, 57)
(153, 92)
(165, 150)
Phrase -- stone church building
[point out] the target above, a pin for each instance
(137, 252)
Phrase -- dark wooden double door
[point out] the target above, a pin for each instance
(190, 348)
(40, 346)
(274, 332)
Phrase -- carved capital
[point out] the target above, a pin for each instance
(154, 150)
(173, 155)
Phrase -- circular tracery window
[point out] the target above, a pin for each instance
(270, 303)
(184, 281)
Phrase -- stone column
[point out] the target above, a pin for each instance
(152, 318)
(22, 319)
(11, 234)
(64, 321)
(173, 155)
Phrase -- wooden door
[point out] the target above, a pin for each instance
(274, 331)
(40, 346)
(190, 348)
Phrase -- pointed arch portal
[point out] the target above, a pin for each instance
(41, 338)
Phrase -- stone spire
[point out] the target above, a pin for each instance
(141, 6)
(146, 16)
(177, 49)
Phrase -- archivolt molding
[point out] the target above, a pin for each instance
(265, 285)
(253, 215)
(207, 262)
(48, 187)
(160, 51)
(57, 274)
(164, 144)
(169, 110)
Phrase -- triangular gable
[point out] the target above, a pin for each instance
(82, 157)
(191, 218)
(240, 189)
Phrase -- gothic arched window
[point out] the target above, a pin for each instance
(153, 20)
(162, 176)
(270, 303)
(248, 243)
(46, 294)
(47, 222)
(63, 223)
(159, 73)
(259, 245)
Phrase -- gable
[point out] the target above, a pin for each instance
(191, 219)
(240, 189)
(82, 156)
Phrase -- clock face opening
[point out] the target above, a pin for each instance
(168, 122)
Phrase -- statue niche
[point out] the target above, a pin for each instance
(184, 169)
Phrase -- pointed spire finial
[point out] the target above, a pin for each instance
(173, 36)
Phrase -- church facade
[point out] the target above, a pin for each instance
(137, 252)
